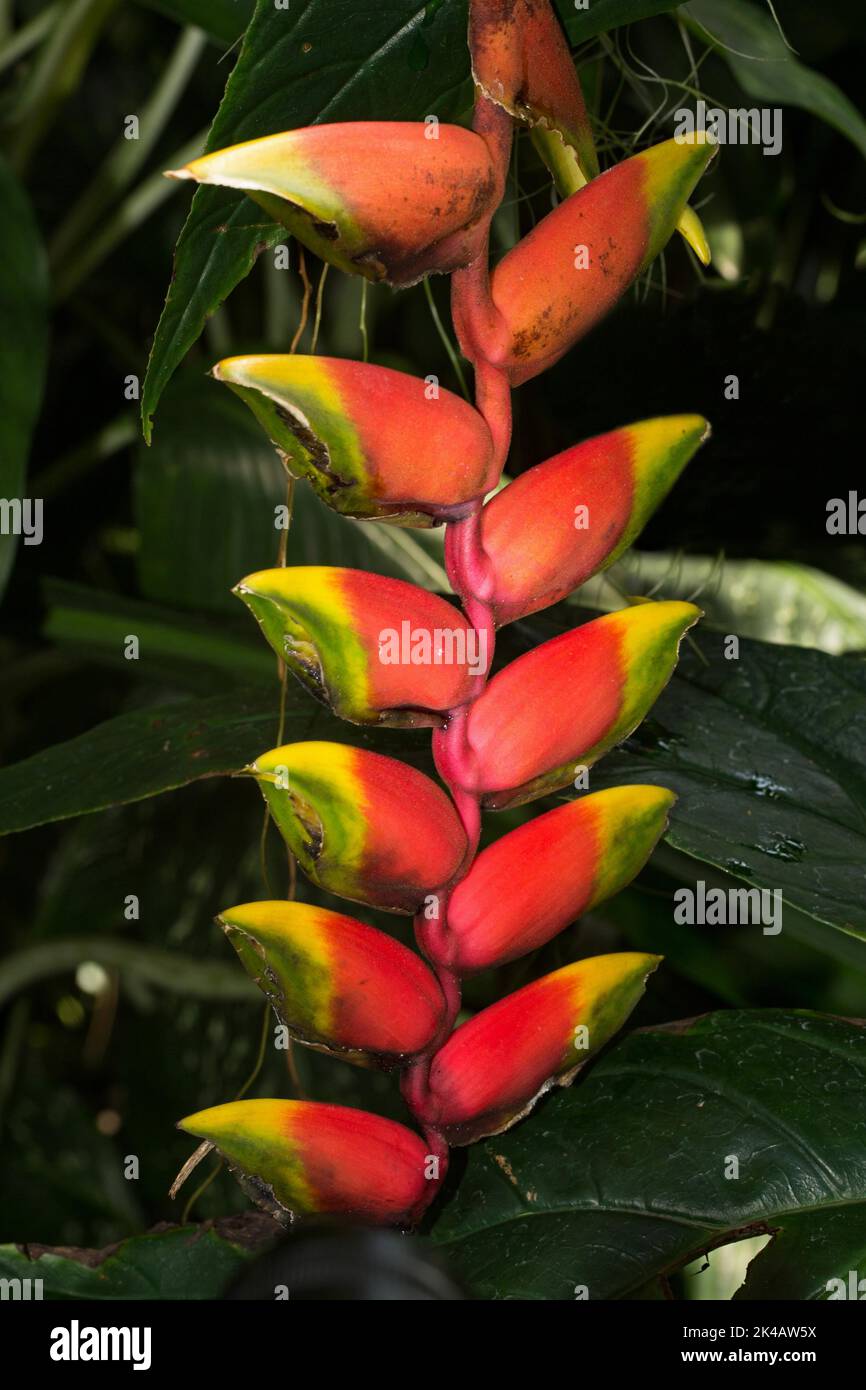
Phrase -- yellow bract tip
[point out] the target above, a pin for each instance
(692, 231)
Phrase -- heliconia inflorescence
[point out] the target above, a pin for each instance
(397, 202)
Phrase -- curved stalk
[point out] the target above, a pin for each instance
(469, 574)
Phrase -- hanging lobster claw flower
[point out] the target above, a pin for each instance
(389, 200)
(372, 442)
(564, 704)
(335, 983)
(521, 61)
(361, 825)
(565, 275)
(525, 887)
(294, 1157)
(376, 650)
(494, 1068)
(588, 505)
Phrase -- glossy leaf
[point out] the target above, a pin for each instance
(564, 704)
(137, 754)
(174, 1262)
(494, 1068)
(371, 441)
(622, 1180)
(765, 754)
(375, 650)
(588, 504)
(335, 983)
(364, 826)
(223, 20)
(303, 1156)
(530, 883)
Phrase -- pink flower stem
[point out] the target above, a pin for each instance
(469, 572)
(482, 336)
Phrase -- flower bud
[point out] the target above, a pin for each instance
(520, 60)
(493, 1069)
(389, 200)
(296, 1156)
(525, 887)
(372, 442)
(335, 983)
(361, 825)
(564, 704)
(588, 505)
(376, 650)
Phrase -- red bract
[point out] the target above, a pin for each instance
(335, 983)
(387, 200)
(395, 202)
(495, 1067)
(364, 826)
(570, 270)
(528, 885)
(299, 1156)
(376, 650)
(372, 442)
(557, 709)
(588, 504)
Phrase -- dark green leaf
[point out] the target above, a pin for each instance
(316, 61)
(156, 750)
(146, 752)
(767, 757)
(23, 352)
(622, 1179)
(188, 650)
(205, 499)
(794, 1265)
(177, 1262)
(765, 67)
(603, 15)
(224, 20)
(206, 494)
(767, 754)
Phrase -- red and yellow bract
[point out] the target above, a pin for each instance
(390, 200)
(494, 1067)
(303, 1156)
